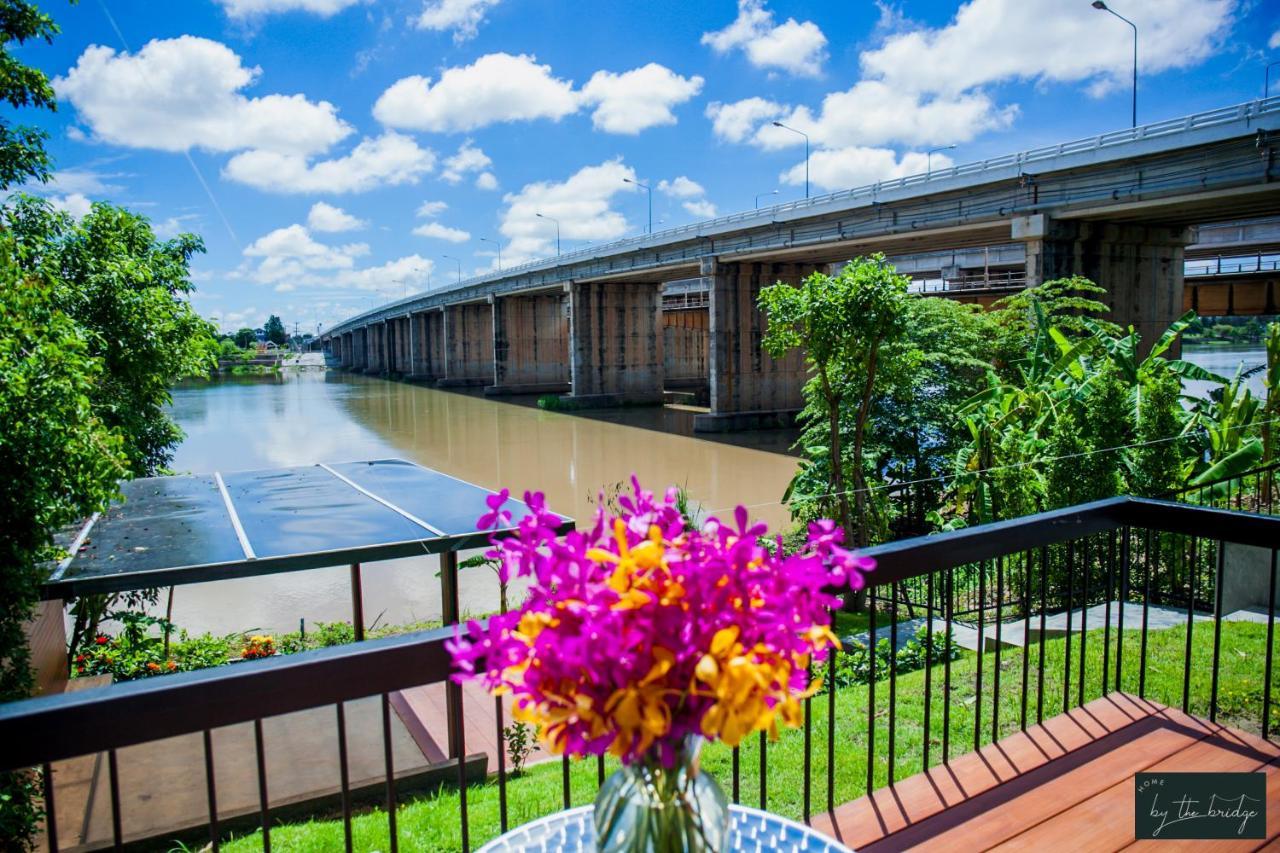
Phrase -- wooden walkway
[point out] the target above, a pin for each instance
(422, 710)
(1065, 784)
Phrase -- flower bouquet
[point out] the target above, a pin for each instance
(644, 635)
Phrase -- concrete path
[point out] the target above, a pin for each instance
(1013, 632)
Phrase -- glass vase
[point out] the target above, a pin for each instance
(646, 807)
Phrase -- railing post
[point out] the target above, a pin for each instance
(450, 615)
(357, 603)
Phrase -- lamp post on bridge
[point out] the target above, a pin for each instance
(928, 168)
(458, 262)
(770, 192)
(650, 191)
(1266, 89)
(1099, 4)
(557, 222)
(806, 153)
(499, 245)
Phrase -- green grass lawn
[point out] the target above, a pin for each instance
(431, 823)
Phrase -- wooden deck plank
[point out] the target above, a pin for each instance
(1104, 821)
(890, 810)
(1069, 778)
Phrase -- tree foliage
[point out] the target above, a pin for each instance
(275, 332)
(22, 154)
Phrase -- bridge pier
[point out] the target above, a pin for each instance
(1140, 266)
(468, 345)
(749, 389)
(426, 363)
(530, 344)
(615, 342)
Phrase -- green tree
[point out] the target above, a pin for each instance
(128, 291)
(275, 330)
(61, 462)
(22, 154)
(245, 338)
(842, 323)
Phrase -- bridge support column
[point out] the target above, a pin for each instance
(468, 343)
(1140, 266)
(530, 344)
(615, 346)
(749, 389)
(424, 337)
(378, 360)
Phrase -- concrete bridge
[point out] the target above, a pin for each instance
(598, 324)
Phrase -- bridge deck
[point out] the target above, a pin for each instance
(1065, 784)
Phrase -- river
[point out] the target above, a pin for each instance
(1224, 361)
(307, 417)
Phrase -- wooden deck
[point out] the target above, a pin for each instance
(1066, 784)
(422, 710)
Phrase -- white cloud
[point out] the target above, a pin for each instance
(432, 208)
(700, 208)
(172, 226)
(681, 187)
(497, 87)
(736, 121)
(638, 99)
(1274, 41)
(291, 256)
(437, 231)
(581, 204)
(326, 217)
(486, 181)
(183, 93)
(467, 159)
(462, 16)
(991, 41)
(411, 272)
(854, 166)
(795, 47)
(83, 180)
(251, 8)
(388, 160)
(76, 204)
(873, 113)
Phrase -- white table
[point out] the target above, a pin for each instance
(751, 830)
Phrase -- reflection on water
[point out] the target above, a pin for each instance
(263, 422)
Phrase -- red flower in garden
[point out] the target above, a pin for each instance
(80, 658)
(101, 639)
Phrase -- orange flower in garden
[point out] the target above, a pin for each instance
(152, 666)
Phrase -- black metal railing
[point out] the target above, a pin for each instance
(1122, 595)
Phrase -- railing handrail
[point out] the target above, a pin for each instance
(52, 728)
(82, 722)
(1186, 490)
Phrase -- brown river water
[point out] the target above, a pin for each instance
(307, 417)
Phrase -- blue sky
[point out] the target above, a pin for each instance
(331, 152)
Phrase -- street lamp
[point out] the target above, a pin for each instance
(499, 245)
(770, 192)
(1098, 4)
(1266, 91)
(458, 262)
(806, 153)
(557, 222)
(650, 191)
(928, 169)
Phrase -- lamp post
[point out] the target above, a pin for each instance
(928, 169)
(458, 262)
(770, 192)
(1099, 4)
(650, 191)
(806, 153)
(499, 245)
(1266, 89)
(557, 222)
